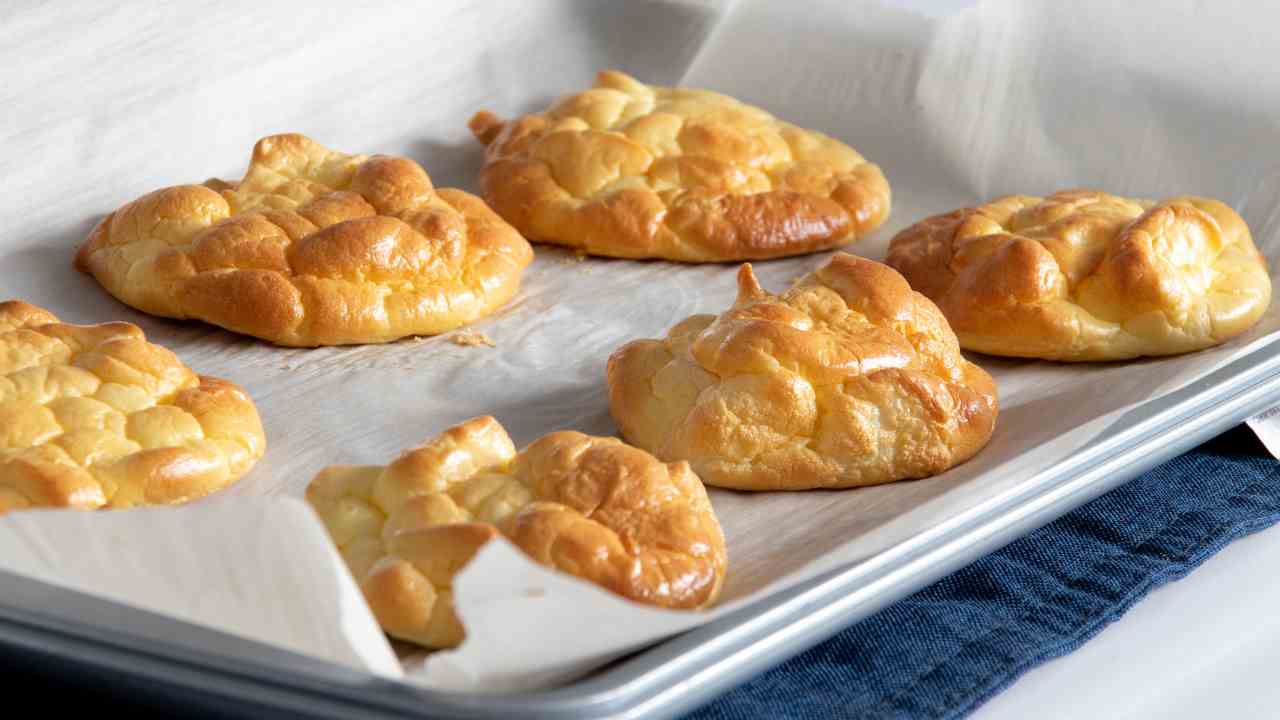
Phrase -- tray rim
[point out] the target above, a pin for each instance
(687, 670)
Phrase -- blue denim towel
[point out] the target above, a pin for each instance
(945, 650)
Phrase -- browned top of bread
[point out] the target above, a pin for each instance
(1085, 275)
(312, 247)
(848, 378)
(94, 416)
(637, 171)
(593, 507)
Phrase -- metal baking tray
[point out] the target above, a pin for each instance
(139, 652)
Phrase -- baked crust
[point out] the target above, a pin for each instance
(589, 506)
(637, 171)
(312, 247)
(849, 378)
(1086, 275)
(95, 416)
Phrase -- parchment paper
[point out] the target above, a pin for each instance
(1017, 96)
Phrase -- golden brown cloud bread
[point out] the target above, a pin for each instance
(637, 171)
(312, 247)
(849, 378)
(589, 506)
(95, 416)
(1084, 275)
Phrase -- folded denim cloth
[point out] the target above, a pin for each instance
(943, 651)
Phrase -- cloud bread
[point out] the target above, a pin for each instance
(94, 416)
(312, 247)
(1085, 275)
(637, 171)
(589, 506)
(849, 378)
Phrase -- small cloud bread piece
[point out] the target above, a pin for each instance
(1086, 275)
(313, 247)
(589, 506)
(637, 171)
(847, 379)
(94, 416)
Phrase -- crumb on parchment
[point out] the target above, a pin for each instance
(472, 338)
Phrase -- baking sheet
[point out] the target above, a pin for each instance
(1008, 97)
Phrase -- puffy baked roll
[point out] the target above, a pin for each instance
(589, 506)
(1085, 275)
(638, 171)
(94, 416)
(311, 247)
(849, 378)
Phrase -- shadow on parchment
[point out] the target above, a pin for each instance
(450, 165)
(457, 164)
